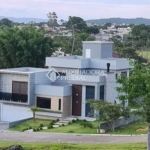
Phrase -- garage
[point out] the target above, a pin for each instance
(13, 113)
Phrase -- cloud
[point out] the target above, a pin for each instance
(88, 9)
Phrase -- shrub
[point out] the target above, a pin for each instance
(77, 119)
(84, 120)
(60, 125)
(63, 125)
(51, 123)
(24, 130)
(37, 129)
(41, 125)
(30, 127)
(69, 123)
(57, 120)
(71, 131)
(50, 127)
(40, 128)
(34, 130)
(87, 124)
(90, 125)
(73, 120)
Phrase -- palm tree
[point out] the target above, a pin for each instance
(34, 110)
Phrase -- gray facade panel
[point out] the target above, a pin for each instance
(31, 89)
(106, 50)
(49, 90)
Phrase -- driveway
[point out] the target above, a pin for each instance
(68, 138)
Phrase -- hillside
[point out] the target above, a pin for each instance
(135, 21)
(24, 20)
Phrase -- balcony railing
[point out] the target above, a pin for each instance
(21, 98)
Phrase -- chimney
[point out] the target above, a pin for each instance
(108, 67)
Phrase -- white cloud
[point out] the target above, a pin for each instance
(88, 9)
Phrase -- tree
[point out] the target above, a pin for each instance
(34, 110)
(6, 22)
(92, 30)
(77, 23)
(110, 112)
(65, 43)
(26, 47)
(137, 90)
(52, 19)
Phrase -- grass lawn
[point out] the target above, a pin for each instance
(132, 129)
(30, 123)
(76, 128)
(72, 128)
(48, 146)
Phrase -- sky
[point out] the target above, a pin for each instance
(86, 9)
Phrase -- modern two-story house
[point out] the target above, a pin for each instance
(62, 90)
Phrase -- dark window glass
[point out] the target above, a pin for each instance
(59, 105)
(116, 75)
(102, 90)
(124, 74)
(90, 94)
(44, 102)
(19, 92)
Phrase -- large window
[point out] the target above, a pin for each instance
(44, 102)
(90, 94)
(19, 91)
(102, 90)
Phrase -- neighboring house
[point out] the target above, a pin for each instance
(63, 89)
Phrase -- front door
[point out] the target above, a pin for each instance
(76, 100)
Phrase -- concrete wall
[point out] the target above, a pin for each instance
(6, 81)
(65, 102)
(41, 78)
(111, 93)
(98, 49)
(31, 89)
(11, 113)
(53, 90)
(67, 106)
(106, 50)
(120, 122)
(94, 48)
(68, 63)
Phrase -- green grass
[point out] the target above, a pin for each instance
(30, 123)
(131, 128)
(72, 128)
(76, 128)
(48, 146)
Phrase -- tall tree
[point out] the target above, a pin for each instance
(77, 23)
(6, 22)
(137, 90)
(52, 19)
(24, 47)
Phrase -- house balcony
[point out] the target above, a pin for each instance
(16, 98)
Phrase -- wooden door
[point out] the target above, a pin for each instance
(76, 100)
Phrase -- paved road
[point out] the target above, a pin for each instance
(68, 138)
